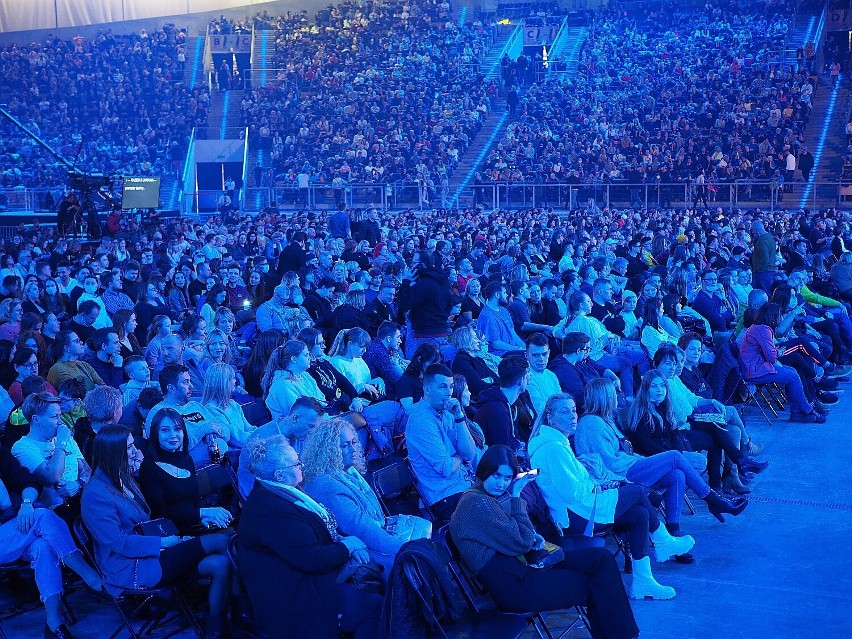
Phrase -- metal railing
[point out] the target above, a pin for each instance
(518, 195)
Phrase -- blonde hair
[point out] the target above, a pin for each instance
(463, 338)
(346, 337)
(267, 456)
(226, 356)
(280, 360)
(544, 418)
(217, 384)
(321, 454)
(599, 399)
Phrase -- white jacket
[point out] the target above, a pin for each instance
(565, 482)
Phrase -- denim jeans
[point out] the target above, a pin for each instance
(671, 473)
(385, 420)
(792, 383)
(44, 546)
(411, 343)
(622, 366)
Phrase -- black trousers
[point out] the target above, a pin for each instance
(633, 514)
(707, 436)
(588, 577)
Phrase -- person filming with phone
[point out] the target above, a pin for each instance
(495, 537)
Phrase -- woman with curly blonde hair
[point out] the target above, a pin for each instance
(333, 467)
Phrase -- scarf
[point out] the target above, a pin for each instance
(296, 496)
(353, 480)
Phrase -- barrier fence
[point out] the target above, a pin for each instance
(498, 195)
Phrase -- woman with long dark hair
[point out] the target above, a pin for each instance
(113, 507)
(124, 323)
(255, 367)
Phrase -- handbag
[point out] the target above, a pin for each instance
(366, 577)
(160, 527)
(545, 557)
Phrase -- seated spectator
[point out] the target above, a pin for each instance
(409, 386)
(759, 361)
(287, 378)
(492, 531)
(102, 407)
(90, 294)
(215, 298)
(495, 323)
(574, 369)
(255, 366)
(713, 306)
(133, 414)
(11, 312)
(603, 344)
(113, 506)
(653, 334)
(346, 355)
(219, 386)
(161, 327)
(124, 324)
(217, 350)
(469, 361)
(25, 362)
(138, 378)
(339, 393)
(150, 306)
(542, 382)
(499, 408)
(384, 358)
(669, 472)
(333, 466)
(461, 392)
(178, 297)
(38, 536)
(291, 553)
(271, 314)
(67, 350)
(348, 315)
(71, 394)
(83, 323)
(50, 453)
(105, 360)
(167, 478)
(440, 447)
(113, 297)
(208, 439)
(576, 495)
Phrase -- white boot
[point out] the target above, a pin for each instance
(666, 546)
(644, 585)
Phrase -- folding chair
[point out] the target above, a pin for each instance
(395, 486)
(238, 631)
(256, 412)
(481, 602)
(169, 595)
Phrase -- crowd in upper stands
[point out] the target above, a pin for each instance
(112, 104)
(704, 93)
(372, 93)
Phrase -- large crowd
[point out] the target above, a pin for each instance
(219, 402)
(306, 351)
(372, 93)
(112, 104)
(701, 93)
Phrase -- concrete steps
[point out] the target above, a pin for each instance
(224, 116)
(262, 58)
(194, 72)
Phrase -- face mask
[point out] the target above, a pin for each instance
(91, 289)
(298, 299)
(265, 268)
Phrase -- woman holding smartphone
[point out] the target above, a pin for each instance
(491, 529)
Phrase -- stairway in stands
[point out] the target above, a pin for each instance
(193, 75)
(224, 118)
(493, 126)
(497, 120)
(262, 57)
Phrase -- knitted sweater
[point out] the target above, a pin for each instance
(481, 528)
(595, 436)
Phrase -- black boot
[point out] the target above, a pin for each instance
(215, 627)
(718, 505)
(751, 465)
(61, 632)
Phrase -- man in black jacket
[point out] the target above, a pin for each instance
(294, 256)
(494, 410)
(574, 369)
(426, 298)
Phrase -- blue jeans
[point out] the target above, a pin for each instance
(385, 420)
(411, 343)
(45, 546)
(669, 472)
(764, 280)
(789, 378)
(621, 366)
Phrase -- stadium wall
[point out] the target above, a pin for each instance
(51, 15)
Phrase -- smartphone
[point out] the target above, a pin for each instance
(532, 473)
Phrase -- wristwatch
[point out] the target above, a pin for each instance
(26, 500)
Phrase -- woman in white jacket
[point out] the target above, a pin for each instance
(575, 495)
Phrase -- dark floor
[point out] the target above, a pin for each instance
(782, 570)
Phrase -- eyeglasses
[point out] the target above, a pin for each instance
(298, 465)
(29, 364)
(586, 349)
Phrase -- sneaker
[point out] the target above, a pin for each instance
(828, 398)
(821, 408)
(810, 418)
(839, 371)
